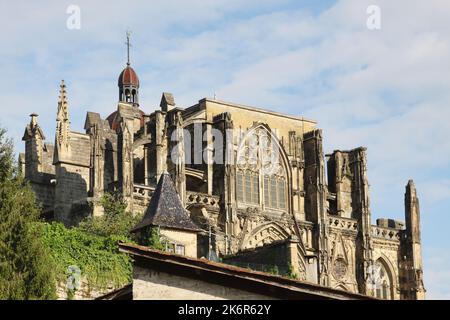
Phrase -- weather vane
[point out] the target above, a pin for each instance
(128, 46)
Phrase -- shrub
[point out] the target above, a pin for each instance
(98, 257)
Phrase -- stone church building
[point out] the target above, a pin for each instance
(310, 212)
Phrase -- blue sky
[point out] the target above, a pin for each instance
(384, 89)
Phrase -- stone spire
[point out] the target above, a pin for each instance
(62, 119)
(412, 213)
(413, 248)
(34, 143)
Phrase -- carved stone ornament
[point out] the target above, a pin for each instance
(339, 268)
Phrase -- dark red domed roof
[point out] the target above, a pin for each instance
(128, 77)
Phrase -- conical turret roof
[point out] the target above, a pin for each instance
(165, 209)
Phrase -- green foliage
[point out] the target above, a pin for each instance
(6, 156)
(97, 256)
(26, 270)
(116, 221)
(150, 237)
(70, 294)
(93, 245)
(290, 272)
(35, 256)
(113, 204)
(273, 270)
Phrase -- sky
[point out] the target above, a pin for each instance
(386, 89)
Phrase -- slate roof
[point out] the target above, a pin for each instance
(91, 119)
(167, 99)
(165, 209)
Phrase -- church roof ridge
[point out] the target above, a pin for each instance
(263, 110)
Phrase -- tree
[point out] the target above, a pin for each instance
(25, 265)
(115, 221)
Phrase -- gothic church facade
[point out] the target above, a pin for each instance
(316, 204)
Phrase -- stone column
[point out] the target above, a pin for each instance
(125, 151)
(146, 176)
(338, 179)
(208, 138)
(315, 199)
(160, 144)
(176, 161)
(97, 171)
(364, 239)
(229, 201)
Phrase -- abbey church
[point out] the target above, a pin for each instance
(309, 214)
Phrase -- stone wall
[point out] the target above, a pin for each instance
(72, 179)
(343, 258)
(84, 292)
(45, 194)
(71, 193)
(154, 285)
(263, 258)
(185, 238)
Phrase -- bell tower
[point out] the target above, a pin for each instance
(128, 81)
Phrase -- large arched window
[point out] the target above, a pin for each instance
(383, 288)
(260, 176)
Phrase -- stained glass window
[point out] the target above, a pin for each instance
(266, 191)
(258, 171)
(273, 193)
(248, 188)
(281, 194)
(255, 189)
(239, 187)
(382, 281)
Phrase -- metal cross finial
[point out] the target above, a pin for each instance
(128, 46)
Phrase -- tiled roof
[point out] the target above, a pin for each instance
(275, 286)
